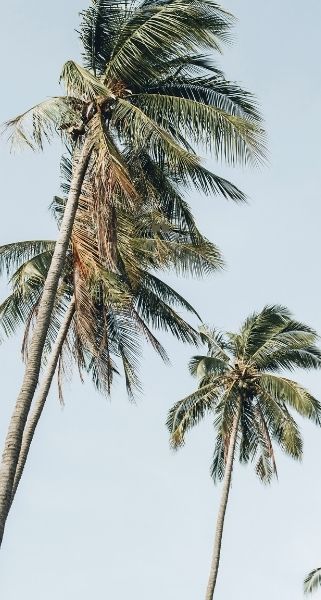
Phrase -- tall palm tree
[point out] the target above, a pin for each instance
(242, 384)
(312, 581)
(145, 86)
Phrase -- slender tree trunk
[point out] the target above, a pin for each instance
(222, 509)
(42, 395)
(19, 417)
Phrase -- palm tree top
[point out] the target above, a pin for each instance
(147, 77)
(249, 368)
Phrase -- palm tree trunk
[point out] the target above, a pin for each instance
(222, 509)
(19, 417)
(41, 397)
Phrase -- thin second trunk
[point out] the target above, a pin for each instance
(41, 397)
(19, 417)
(222, 509)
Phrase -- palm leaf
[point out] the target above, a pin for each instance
(43, 121)
(231, 136)
(79, 82)
(98, 32)
(143, 132)
(188, 412)
(164, 29)
(312, 581)
(201, 366)
(293, 395)
(14, 255)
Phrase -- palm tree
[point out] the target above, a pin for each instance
(145, 86)
(242, 385)
(312, 581)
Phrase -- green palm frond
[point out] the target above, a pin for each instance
(128, 348)
(143, 132)
(293, 395)
(226, 407)
(79, 82)
(166, 293)
(189, 65)
(160, 315)
(99, 30)
(304, 358)
(230, 136)
(31, 273)
(156, 31)
(273, 333)
(217, 468)
(15, 310)
(213, 91)
(188, 412)
(14, 255)
(150, 337)
(216, 343)
(290, 345)
(209, 183)
(43, 121)
(280, 424)
(186, 259)
(200, 366)
(266, 464)
(250, 440)
(312, 581)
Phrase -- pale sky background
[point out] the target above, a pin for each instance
(105, 510)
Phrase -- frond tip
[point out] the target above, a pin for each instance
(312, 581)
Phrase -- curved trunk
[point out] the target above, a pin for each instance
(41, 397)
(222, 509)
(19, 417)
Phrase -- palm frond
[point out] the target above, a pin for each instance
(211, 90)
(79, 82)
(150, 337)
(166, 293)
(99, 30)
(266, 464)
(43, 121)
(259, 329)
(187, 259)
(312, 581)
(232, 137)
(15, 310)
(293, 395)
(143, 132)
(282, 426)
(12, 256)
(160, 315)
(217, 468)
(216, 343)
(156, 31)
(200, 366)
(188, 412)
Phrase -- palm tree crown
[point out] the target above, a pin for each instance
(245, 369)
(146, 87)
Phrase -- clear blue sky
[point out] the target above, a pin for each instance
(105, 510)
